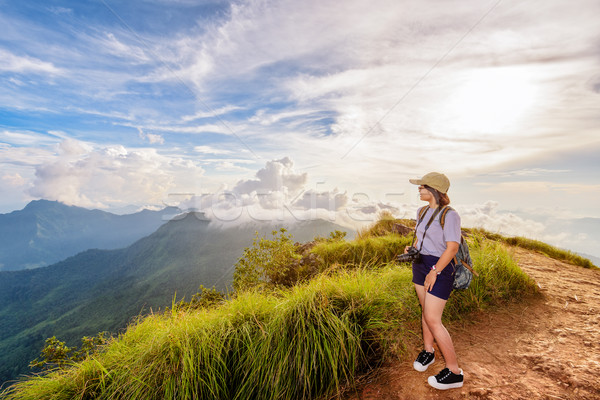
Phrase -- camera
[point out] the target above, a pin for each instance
(411, 255)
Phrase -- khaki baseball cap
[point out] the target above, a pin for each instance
(435, 180)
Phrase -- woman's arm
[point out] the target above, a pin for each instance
(445, 258)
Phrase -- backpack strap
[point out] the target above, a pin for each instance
(420, 218)
(422, 213)
(443, 215)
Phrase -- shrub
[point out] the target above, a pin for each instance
(268, 262)
(57, 354)
(205, 298)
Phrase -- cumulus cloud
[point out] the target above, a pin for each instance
(279, 194)
(332, 200)
(73, 148)
(276, 176)
(89, 176)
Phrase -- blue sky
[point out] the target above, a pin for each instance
(310, 104)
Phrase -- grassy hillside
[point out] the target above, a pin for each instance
(299, 342)
(536, 245)
(102, 290)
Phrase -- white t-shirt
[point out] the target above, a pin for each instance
(436, 238)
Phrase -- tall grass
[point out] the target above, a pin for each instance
(366, 250)
(500, 279)
(299, 343)
(384, 225)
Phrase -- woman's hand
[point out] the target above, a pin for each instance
(430, 280)
(406, 249)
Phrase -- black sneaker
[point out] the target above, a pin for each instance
(446, 379)
(424, 360)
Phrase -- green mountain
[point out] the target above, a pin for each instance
(102, 290)
(45, 232)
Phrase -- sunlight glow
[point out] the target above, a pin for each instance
(490, 101)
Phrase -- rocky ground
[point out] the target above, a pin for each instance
(546, 348)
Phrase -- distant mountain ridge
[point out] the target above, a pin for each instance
(102, 290)
(45, 232)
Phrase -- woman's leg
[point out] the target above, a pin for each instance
(433, 307)
(427, 335)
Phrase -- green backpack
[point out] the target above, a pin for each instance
(463, 264)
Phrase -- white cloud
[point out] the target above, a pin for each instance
(547, 225)
(24, 64)
(331, 201)
(14, 180)
(487, 216)
(276, 176)
(27, 138)
(74, 148)
(278, 194)
(17, 82)
(210, 113)
(60, 10)
(111, 45)
(152, 138)
(111, 175)
(230, 166)
(224, 129)
(210, 150)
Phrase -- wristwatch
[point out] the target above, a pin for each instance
(434, 269)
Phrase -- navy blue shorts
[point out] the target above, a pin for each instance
(443, 284)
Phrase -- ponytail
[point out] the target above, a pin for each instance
(444, 199)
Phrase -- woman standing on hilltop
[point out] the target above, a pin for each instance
(433, 276)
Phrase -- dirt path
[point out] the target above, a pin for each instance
(542, 349)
